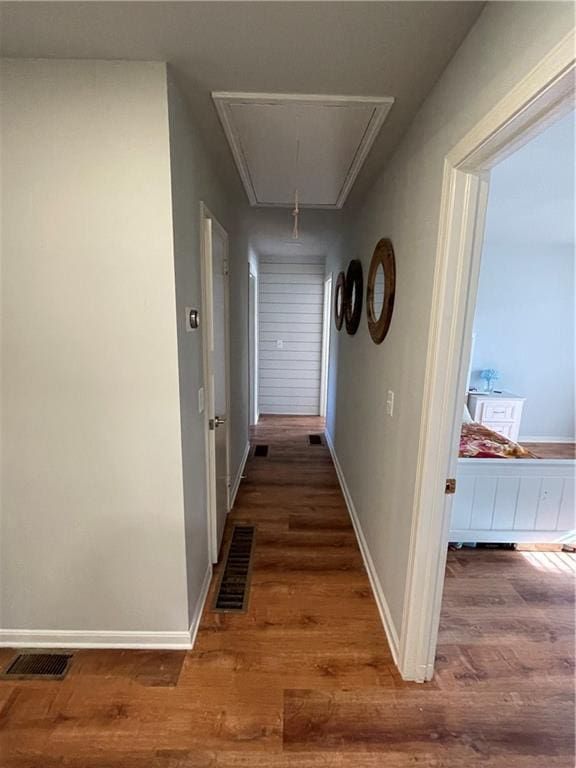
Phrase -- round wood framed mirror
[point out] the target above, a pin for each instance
(354, 296)
(340, 300)
(380, 290)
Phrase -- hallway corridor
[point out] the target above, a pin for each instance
(312, 619)
(305, 678)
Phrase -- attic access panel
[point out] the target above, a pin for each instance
(316, 144)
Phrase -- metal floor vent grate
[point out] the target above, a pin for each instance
(49, 666)
(233, 590)
(315, 439)
(261, 450)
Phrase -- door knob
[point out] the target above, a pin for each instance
(217, 421)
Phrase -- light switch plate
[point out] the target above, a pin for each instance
(390, 403)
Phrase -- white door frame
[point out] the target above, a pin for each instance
(209, 222)
(543, 96)
(325, 344)
(253, 346)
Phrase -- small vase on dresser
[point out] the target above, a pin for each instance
(500, 411)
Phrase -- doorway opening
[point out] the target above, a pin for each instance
(544, 96)
(291, 334)
(509, 568)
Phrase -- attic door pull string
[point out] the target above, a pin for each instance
(296, 211)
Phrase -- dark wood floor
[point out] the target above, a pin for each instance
(552, 450)
(305, 678)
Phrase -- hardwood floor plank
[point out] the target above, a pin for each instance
(463, 724)
(481, 593)
(148, 668)
(515, 667)
(485, 625)
(552, 450)
(231, 759)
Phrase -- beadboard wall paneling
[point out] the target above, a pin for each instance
(290, 310)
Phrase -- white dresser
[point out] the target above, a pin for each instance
(500, 411)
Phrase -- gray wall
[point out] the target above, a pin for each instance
(103, 466)
(193, 179)
(378, 454)
(92, 501)
(525, 313)
(290, 305)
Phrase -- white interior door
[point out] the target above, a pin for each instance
(215, 261)
(252, 345)
(325, 345)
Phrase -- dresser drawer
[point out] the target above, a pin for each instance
(507, 429)
(499, 411)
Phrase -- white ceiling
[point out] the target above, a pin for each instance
(396, 49)
(312, 146)
(269, 231)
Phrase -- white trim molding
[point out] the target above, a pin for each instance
(546, 439)
(544, 95)
(199, 609)
(224, 100)
(65, 638)
(384, 610)
(239, 475)
(326, 328)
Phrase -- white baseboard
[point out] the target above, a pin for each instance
(385, 615)
(546, 439)
(290, 413)
(129, 640)
(63, 638)
(196, 619)
(238, 478)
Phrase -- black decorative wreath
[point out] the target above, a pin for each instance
(340, 300)
(354, 296)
